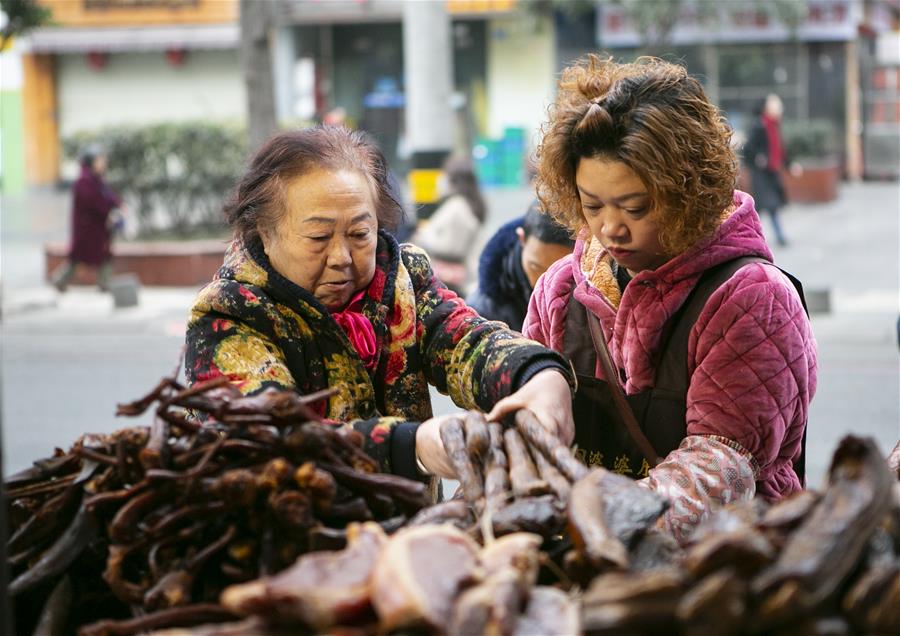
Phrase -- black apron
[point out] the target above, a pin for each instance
(601, 437)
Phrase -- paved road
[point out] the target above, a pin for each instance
(66, 361)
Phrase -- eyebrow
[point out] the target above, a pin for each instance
(330, 221)
(624, 197)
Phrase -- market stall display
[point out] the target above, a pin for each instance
(152, 523)
(815, 563)
(249, 515)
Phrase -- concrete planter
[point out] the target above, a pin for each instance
(162, 263)
(817, 184)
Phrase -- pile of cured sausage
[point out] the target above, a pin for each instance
(145, 527)
(248, 515)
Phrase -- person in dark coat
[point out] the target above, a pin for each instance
(511, 263)
(765, 156)
(93, 220)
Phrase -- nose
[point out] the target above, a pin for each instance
(339, 256)
(613, 226)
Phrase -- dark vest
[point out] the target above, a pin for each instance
(601, 438)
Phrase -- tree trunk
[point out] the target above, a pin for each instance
(256, 65)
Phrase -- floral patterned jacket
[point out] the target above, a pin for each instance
(261, 330)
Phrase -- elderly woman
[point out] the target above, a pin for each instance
(315, 292)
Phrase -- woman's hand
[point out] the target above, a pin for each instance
(430, 449)
(547, 395)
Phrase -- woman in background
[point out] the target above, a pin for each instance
(765, 156)
(449, 235)
(94, 219)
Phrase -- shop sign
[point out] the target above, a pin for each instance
(140, 4)
(738, 21)
(455, 7)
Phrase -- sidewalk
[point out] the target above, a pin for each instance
(26, 299)
(848, 247)
(86, 309)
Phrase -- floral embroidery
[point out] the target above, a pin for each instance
(249, 295)
(247, 272)
(246, 356)
(220, 324)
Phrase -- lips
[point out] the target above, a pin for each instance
(618, 253)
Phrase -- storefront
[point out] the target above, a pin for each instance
(352, 71)
(745, 55)
(118, 62)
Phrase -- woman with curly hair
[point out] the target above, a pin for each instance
(695, 357)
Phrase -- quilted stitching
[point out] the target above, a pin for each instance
(751, 353)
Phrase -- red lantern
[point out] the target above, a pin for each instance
(97, 59)
(175, 57)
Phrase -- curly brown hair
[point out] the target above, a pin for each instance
(656, 119)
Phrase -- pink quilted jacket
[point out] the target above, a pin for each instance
(751, 360)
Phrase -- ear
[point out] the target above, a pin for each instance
(265, 237)
(520, 232)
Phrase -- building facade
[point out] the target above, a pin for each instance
(825, 67)
(123, 62)
(109, 62)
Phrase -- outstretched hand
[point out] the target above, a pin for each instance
(430, 449)
(547, 395)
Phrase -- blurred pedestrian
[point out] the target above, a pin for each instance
(337, 116)
(97, 213)
(670, 305)
(513, 260)
(765, 156)
(449, 235)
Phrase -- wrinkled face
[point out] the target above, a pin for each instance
(617, 208)
(325, 242)
(538, 256)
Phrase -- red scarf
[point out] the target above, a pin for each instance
(358, 328)
(776, 150)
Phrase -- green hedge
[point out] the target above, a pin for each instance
(173, 176)
(810, 139)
